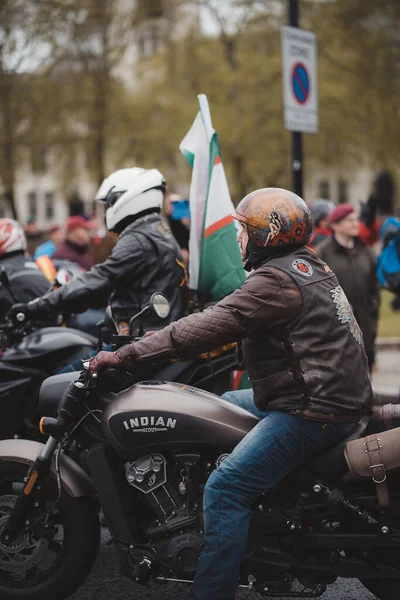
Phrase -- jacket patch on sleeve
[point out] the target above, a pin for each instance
(345, 313)
(303, 267)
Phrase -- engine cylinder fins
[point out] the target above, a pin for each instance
(148, 473)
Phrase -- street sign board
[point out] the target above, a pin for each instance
(300, 85)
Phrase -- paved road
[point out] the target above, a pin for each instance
(105, 583)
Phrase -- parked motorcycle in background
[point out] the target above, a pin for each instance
(30, 355)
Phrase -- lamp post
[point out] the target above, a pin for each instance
(297, 138)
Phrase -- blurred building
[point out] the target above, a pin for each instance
(43, 191)
(338, 185)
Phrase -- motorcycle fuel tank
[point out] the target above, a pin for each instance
(56, 345)
(164, 416)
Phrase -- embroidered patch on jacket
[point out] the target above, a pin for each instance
(327, 269)
(345, 313)
(303, 267)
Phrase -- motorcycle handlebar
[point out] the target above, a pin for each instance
(91, 380)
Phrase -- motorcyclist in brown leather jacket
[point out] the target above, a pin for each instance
(305, 357)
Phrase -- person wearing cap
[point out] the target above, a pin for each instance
(48, 248)
(320, 211)
(355, 267)
(76, 244)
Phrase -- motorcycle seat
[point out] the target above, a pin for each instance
(332, 465)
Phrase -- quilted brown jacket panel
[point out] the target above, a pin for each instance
(301, 344)
(267, 299)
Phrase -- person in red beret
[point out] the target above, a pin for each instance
(76, 244)
(354, 264)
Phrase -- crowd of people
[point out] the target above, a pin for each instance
(137, 255)
(82, 242)
(341, 237)
(306, 327)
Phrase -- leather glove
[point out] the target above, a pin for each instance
(103, 360)
(31, 310)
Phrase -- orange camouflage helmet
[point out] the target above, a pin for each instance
(275, 217)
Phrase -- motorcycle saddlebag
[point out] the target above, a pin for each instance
(374, 455)
(386, 417)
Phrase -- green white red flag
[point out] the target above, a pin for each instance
(215, 263)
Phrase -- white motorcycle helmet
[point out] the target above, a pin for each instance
(12, 237)
(130, 193)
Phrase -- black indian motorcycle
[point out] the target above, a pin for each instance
(148, 453)
(30, 354)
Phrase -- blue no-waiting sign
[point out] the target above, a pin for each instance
(300, 83)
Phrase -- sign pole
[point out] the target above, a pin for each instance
(297, 138)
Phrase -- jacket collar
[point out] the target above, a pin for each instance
(147, 218)
(339, 249)
(12, 254)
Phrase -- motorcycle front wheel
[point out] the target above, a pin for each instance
(54, 557)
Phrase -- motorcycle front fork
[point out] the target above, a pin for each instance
(36, 475)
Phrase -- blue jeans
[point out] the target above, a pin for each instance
(279, 443)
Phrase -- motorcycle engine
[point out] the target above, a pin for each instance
(176, 534)
(180, 555)
(149, 475)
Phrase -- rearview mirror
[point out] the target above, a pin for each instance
(160, 304)
(62, 276)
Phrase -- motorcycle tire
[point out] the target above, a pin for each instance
(76, 518)
(383, 589)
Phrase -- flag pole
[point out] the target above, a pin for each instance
(206, 115)
(297, 138)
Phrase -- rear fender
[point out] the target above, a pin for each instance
(75, 481)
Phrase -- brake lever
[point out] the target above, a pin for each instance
(91, 380)
(88, 379)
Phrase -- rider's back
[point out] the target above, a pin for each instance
(26, 280)
(158, 268)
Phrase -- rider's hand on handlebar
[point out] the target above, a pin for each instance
(103, 360)
(21, 312)
(18, 313)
